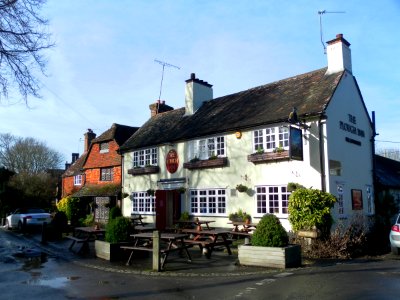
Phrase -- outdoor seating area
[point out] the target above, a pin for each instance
(144, 238)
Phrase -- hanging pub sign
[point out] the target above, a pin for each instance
(295, 143)
(172, 161)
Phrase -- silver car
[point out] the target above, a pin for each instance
(31, 217)
(394, 236)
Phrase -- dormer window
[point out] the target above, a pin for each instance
(104, 147)
(207, 148)
(78, 179)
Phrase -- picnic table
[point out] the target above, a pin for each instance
(138, 220)
(144, 228)
(208, 239)
(239, 226)
(83, 235)
(144, 242)
(187, 224)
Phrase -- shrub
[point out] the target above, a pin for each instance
(348, 240)
(184, 216)
(118, 229)
(310, 209)
(270, 233)
(72, 208)
(114, 213)
(88, 221)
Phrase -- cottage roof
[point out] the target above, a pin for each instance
(387, 172)
(310, 93)
(117, 132)
(76, 167)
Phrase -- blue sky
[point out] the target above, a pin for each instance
(102, 70)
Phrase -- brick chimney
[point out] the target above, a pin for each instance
(196, 92)
(159, 107)
(75, 157)
(89, 136)
(339, 55)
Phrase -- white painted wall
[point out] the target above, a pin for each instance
(356, 160)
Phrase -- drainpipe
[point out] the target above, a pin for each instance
(321, 154)
(374, 134)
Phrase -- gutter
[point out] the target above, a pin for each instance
(321, 153)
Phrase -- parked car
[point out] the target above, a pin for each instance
(394, 236)
(33, 217)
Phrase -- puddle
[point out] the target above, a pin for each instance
(57, 282)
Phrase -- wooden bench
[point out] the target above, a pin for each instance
(76, 240)
(164, 252)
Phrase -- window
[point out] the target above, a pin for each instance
(104, 147)
(145, 157)
(142, 203)
(208, 201)
(335, 167)
(106, 174)
(78, 180)
(269, 139)
(206, 148)
(272, 200)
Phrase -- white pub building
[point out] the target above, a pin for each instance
(312, 129)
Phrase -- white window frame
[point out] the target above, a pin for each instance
(143, 203)
(78, 179)
(145, 157)
(104, 147)
(272, 199)
(206, 202)
(106, 174)
(207, 147)
(270, 138)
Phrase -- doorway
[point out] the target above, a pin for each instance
(168, 208)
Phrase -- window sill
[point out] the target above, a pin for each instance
(144, 170)
(209, 163)
(267, 157)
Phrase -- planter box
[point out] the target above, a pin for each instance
(144, 170)
(273, 257)
(209, 163)
(107, 251)
(260, 158)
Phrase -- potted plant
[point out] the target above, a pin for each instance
(242, 188)
(117, 234)
(150, 192)
(270, 246)
(240, 216)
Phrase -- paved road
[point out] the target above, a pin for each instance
(57, 277)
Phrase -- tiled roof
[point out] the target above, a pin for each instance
(103, 190)
(387, 172)
(117, 132)
(310, 93)
(76, 167)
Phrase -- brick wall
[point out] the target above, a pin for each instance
(96, 159)
(68, 186)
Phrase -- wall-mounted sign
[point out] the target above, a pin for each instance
(172, 161)
(296, 143)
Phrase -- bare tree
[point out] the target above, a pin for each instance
(23, 37)
(389, 153)
(27, 155)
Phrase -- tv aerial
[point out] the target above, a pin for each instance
(322, 12)
(164, 64)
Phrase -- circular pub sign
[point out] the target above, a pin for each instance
(172, 161)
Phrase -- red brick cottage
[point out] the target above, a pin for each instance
(100, 170)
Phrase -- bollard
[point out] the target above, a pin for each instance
(156, 251)
(44, 225)
(23, 229)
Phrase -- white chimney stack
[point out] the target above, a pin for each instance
(339, 55)
(196, 92)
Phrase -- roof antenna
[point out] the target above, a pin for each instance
(164, 64)
(321, 12)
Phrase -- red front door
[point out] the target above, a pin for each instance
(167, 208)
